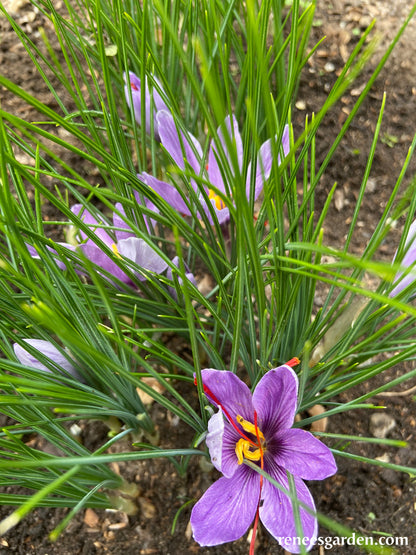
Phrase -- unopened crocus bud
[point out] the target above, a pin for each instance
(152, 100)
(49, 351)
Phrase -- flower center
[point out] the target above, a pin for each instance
(133, 86)
(246, 448)
(219, 203)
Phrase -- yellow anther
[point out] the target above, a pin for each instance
(115, 250)
(249, 427)
(219, 203)
(243, 451)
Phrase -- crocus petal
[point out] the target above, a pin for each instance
(214, 438)
(225, 389)
(228, 134)
(265, 162)
(275, 400)
(92, 222)
(142, 254)
(405, 281)
(299, 452)
(61, 265)
(409, 259)
(285, 142)
(223, 215)
(183, 148)
(101, 259)
(119, 222)
(276, 512)
(227, 508)
(151, 98)
(221, 441)
(168, 192)
(49, 351)
(188, 275)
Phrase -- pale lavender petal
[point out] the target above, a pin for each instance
(141, 200)
(276, 512)
(34, 253)
(226, 510)
(404, 282)
(180, 146)
(168, 192)
(119, 222)
(91, 222)
(231, 135)
(285, 142)
(223, 215)
(265, 163)
(142, 254)
(225, 389)
(151, 98)
(101, 259)
(221, 441)
(134, 84)
(49, 351)
(61, 265)
(409, 260)
(275, 400)
(263, 168)
(188, 274)
(302, 454)
(214, 439)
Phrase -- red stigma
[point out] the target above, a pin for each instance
(293, 362)
(256, 520)
(133, 86)
(209, 393)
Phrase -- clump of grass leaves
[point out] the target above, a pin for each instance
(212, 58)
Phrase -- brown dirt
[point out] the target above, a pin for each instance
(366, 498)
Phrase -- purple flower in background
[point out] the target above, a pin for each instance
(188, 275)
(126, 245)
(61, 265)
(152, 100)
(49, 351)
(408, 261)
(257, 427)
(185, 151)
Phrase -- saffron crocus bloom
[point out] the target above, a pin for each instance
(257, 427)
(125, 244)
(152, 100)
(50, 352)
(408, 261)
(186, 151)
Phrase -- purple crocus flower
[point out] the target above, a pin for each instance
(49, 351)
(152, 100)
(126, 245)
(186, 151)
(408, 261)
(188, 275)
(257, 427)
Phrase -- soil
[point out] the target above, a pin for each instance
(369, 499)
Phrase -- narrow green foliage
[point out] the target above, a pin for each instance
(139, 281)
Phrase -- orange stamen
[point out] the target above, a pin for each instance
(219, 203)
